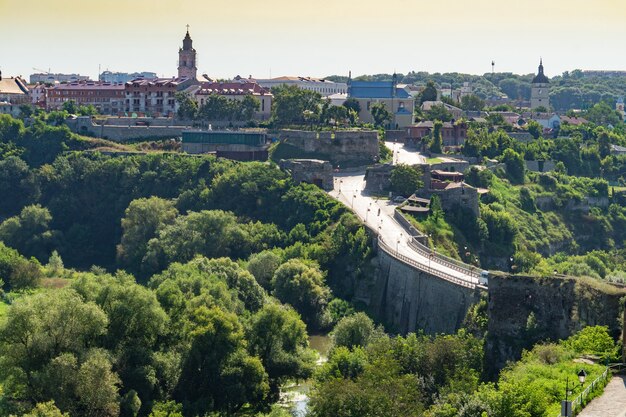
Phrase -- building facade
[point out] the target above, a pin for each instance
(540, 90)
(13, 90)
(107, 98)
(155, 97)
(319, 85)
(451, 134)
(235, 90)
(124, 77)
(187, 59)
(49, 78)
(397, 101)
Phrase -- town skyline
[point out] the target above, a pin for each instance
(250, 39)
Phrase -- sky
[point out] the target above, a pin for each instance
(266, 38)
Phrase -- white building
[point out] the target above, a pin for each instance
(324, 87)
(59, 78)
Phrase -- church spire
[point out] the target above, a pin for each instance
(187, 42)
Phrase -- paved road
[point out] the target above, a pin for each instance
(378, 214)
(402, 155)
(612, 403)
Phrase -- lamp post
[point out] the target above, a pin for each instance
(352, 203)
(581, 377)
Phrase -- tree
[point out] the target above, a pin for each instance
(593, 340)
(380, 114)
(405, 180)
(436, 142)
(187, 108)
(303, 287)
(249, 105)
(515, 166)
(290, 104)
(439, 112)
(263, 266)
(47, 409)
(66, 328)
(603, 114)
(534, 128)
(17, 185)
(97, 386)
(70, 107)
(472, 102)
(217, 373)
(278, 337)
(142, 220)
(429, 93)
(354, 330)
(30, 232)
(353, 104)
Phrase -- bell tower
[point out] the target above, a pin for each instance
(540, 90)
(187, 59)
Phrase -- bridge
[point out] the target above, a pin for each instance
(393, 238)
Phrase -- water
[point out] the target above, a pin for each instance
(296, 395)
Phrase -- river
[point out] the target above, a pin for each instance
(296, 395)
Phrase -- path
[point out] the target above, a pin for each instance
(402, 155)
(612, 403)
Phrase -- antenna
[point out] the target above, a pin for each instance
(493, 65)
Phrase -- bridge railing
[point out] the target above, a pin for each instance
(424, 268)
(444, 260)
(428, 252)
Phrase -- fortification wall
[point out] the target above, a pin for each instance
(408, 300)
(84, 126)
(560, 307)
(339, 146)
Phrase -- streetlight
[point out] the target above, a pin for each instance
(581, 376)
(352, 203)
(397, 244)
(368, 211)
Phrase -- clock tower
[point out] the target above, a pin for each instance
(187, 59)
(540, 90)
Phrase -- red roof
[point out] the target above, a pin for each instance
(232, 89)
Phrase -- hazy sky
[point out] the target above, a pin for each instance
(312, 38)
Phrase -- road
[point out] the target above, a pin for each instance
(612, 403)
(378, 215)
(402, 155)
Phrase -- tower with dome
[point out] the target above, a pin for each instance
(540, 89)
(187, 59)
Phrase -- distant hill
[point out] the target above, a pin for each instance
(575, 89)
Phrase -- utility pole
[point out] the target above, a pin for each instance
(493, 67)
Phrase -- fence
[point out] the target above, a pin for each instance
(428, 252)
(579, 402)
(424, 268)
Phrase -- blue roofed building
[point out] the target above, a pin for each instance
(396, 99)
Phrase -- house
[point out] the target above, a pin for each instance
(319, 85)
(455, 111)
(235, 90)
(397, 101)
(10, 109)
(155, 97)
(452, 134)
(105, 97)
(13, 90)
(574, 121)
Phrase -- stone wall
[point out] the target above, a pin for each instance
(561, 306)
(338, 147)
(378, 178)
(540, 166)
(85, 126)
(407, 300)
(312, 171)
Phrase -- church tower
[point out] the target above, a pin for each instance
(540, 90)
(187, 59)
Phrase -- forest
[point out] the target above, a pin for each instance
(165, 285)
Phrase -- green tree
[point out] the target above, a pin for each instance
(593, 340)
(47, 409)
(30, 233)
(142, 220)
(515, 166)
(380, 114)
(263, 266)
(278, 337)
(352, 104)
(290, 104)
(187, 107)
(439, 112)
(249, 105)
(405, 179)
(354, 330)
(436, 143)
(303, 287)
(472, 102)
(603, 114)
(429, 93)
(534, 128)
(97, 386)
